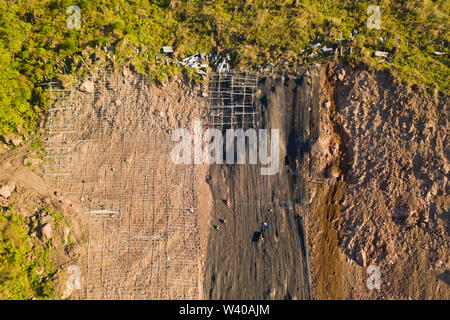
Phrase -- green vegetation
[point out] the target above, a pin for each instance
(25, 270)
(57, 216)
(36, 45)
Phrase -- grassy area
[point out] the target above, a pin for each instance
(36, 45)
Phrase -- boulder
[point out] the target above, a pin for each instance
(341, 75)
(362, 258)
(87, 86)
(5, 192)
(434, 188)
(47, 200)
(47, 231)
(11, 139)
(66, 235)
(7, 189)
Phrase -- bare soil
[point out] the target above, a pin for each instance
(390, 204)
(145, 215)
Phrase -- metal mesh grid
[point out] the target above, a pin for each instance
(231, 98)
(143, 240)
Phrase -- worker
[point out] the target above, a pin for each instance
(228, 202)
(223, 221)
(265, 226)
(308, 71)
(216, 227)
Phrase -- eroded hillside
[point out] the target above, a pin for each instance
(390, 205)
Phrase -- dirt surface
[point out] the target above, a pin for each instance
(396, 165)
(238, 267)
(110, 149)
(389, 206)
(366, 169)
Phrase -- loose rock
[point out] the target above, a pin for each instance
(11, 139)
(66, 235)
(47, 231)
(7, 189)
(87, 86)
(363, 258)
(341, 75)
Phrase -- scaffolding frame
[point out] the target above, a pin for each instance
(231, 100)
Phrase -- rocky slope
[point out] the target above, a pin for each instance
(391, 207)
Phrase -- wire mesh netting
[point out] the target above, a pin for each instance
(143, 240)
